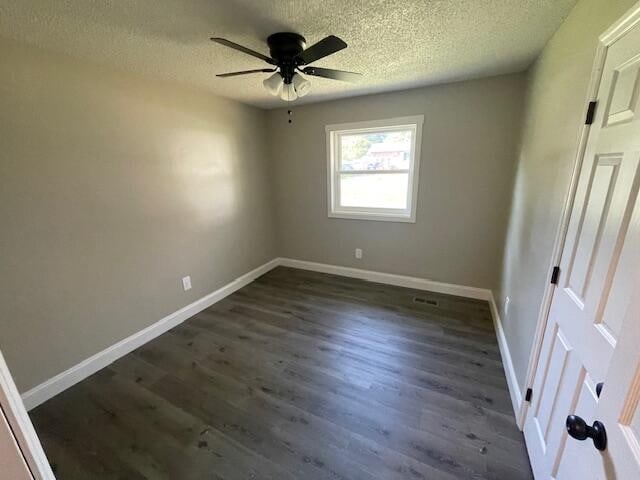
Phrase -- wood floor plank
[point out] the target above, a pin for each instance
(299, 375)
(395, 327)
(311, 326)
(442, 378)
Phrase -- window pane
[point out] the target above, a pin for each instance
(382, 190)
(376, 150)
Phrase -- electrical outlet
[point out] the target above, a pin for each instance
(506, 305)
(186, 283)
(359, 253)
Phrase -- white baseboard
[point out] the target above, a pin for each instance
(507, 362)
(48, 389)
(391, 279)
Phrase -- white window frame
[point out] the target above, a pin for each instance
(413, 123)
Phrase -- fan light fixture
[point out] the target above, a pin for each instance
(301, 84)
(274, 84)
(298, 87)
(288, 92)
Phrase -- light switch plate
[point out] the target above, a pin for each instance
(186, 283)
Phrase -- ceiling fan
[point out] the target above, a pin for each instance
(289, 57)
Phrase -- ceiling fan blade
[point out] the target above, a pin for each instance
(246, 72)
(323, 48)
(332, 74)
(248, 51)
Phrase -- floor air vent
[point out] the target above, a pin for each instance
(425, 300)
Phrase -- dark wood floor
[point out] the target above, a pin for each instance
(299, 375)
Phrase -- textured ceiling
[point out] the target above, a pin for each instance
(394, 43)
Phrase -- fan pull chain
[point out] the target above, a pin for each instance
(289, 112)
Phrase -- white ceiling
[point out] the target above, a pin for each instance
(395, 43)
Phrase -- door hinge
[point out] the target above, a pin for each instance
(527, 397)
(591, 112)
(554, 275)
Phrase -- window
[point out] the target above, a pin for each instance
(373, 169)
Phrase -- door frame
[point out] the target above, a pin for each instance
(20, 423)
(625, 23)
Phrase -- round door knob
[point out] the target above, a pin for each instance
(578, 429)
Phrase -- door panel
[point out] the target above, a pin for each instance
(12, 463)
(623, 94)
(633, 412)
(559, 355)
(630, 418)
(590, 229)
(557, 383)
(566, 467)
(619, 406)
(588, 336)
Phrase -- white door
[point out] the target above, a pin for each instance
(12, 463)
(21, 455)
(593, 329)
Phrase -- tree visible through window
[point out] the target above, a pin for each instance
(373, 169)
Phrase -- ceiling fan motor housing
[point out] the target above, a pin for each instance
(288, 55)
(284, 47)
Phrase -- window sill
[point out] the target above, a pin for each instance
(376, 217)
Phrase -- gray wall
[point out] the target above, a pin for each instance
(555, 102)
(112, 188)
(469, 142)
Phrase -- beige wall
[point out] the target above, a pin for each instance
(554, 110)
(112, 188)
(469, 141)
